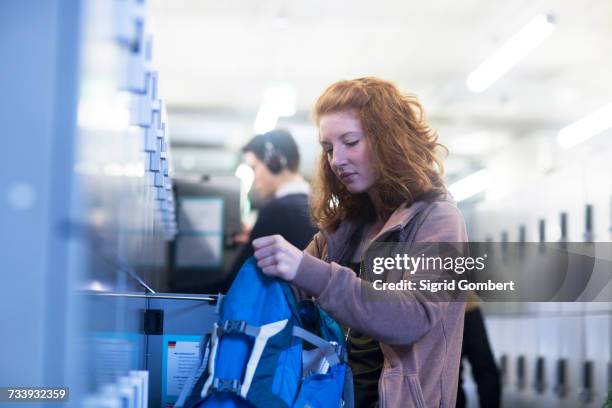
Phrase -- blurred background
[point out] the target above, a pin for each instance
(122, 189)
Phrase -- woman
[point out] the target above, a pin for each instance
(379, 179)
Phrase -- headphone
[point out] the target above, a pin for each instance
(274, 159)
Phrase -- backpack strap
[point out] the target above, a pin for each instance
(291, 301)
(237, 327)
(266, 331)
(320, 359)
(261, 335)
(214, 343)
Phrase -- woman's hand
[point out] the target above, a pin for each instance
(277, 257)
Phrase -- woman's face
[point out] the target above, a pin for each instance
(347, 150)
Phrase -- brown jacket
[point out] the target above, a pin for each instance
(420, 340)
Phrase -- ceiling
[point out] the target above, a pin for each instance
(216, 58)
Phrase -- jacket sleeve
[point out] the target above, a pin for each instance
(314, 250)
(392, 317)
(314, 247)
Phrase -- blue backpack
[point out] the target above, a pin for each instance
(267, 350)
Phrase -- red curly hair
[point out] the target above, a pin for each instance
(403, 146)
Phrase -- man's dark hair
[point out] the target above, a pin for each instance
(283, 144)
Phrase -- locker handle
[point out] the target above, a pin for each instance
(563, 226)
(522, 241)
(504, 246)
(540, 375)
(542, 230)
(561, 378)
(588, 223)
(520, 372)
(610, 375)
(503, 362)
(153, 321)
(586, 393)
(542, 235)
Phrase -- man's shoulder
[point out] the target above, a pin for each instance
(292, 198)
(286, 209)
(287, 203)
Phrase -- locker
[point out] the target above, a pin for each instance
(572, 350)
(154, 161)
(161, 194)
(547, 349)
(159, 180)
(151, 137)
(597, 330)
(137, 63)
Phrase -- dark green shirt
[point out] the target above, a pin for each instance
(366, 361)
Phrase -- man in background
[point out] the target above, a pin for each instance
(275, 160)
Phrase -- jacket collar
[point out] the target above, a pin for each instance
(338, 240)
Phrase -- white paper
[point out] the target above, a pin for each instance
(182, 360)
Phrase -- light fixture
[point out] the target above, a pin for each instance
(281, 21)
(266, 119)
(471, 185)
(511, 53)
(279, 99)
(585, 128)
(96, 286)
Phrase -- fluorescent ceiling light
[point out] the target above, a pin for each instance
(266, 119)
(471, 185)
(278, 100)
(511, 53)
(281, 21)
(585, 128)
(282, 97)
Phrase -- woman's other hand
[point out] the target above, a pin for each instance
(277, 257)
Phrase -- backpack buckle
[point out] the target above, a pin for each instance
(222, 385)
(231, 327)
(339, 351)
